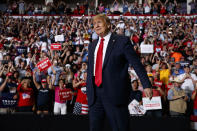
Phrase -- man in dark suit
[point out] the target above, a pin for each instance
(108, 83)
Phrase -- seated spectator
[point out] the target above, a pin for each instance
(177, 98)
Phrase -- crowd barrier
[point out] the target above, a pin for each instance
(30, 122)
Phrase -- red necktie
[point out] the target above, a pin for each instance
(99, 63)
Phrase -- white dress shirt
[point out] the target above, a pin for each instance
(106, 41)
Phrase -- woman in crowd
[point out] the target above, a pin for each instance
(26, 96)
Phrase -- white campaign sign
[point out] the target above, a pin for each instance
(135, 108)
(146, 49)
(152, 104)
(59, 38)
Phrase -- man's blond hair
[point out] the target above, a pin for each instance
(105, 19)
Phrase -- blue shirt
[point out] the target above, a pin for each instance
(180, 71)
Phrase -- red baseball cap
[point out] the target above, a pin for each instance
(43, 80)
(9, 74)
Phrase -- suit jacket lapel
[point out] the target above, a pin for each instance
(109, 48)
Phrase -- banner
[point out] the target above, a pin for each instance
(146, 49)
(7, 100)
(44, 64)
(152, 104)
(135, 108)
(65, 95)
(59, 38)
(56, 46)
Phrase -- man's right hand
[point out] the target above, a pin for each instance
(148, 92)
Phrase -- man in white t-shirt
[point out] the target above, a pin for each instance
(188, 79)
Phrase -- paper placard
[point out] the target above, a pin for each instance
(146, 49)
(59, 38)
(135, 108)
(44, 64)
(56, 46)
(65, 95)
(9, 38)
(152, 104)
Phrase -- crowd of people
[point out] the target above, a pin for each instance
(24, 42)
(117, 7)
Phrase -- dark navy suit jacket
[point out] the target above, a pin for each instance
(115, 77)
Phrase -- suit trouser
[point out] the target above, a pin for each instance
(118, 116)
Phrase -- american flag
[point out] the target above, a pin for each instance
(84, 109)
(80, 109)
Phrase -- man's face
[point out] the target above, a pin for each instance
(187, 70)
(176, 84)
(177, 66)
(195, 62)
(100, 27)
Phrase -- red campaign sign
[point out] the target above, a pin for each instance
(56, 46)
(44, 64)
(65, 94)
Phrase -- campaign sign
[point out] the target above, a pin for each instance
(56, 46)
(7, 100)
(135, 108)
(65, 94)
(146, 48)
(59, 38)
(152, 104)
(44, 64)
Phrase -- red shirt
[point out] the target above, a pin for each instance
(135, 39)
(168, 87)
(188, 43)
(163, 10)
(81, 94)
(26, 96)
(195, 101)
(158, 83)
(158, 47)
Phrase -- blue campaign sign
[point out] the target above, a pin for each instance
(6, 100)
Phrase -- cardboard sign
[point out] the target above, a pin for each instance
(7, 100)
(153, 104)
(65, 95)
(59, 38)
(56, 46)
(146, 48)
(44, 64)
(135, 108)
